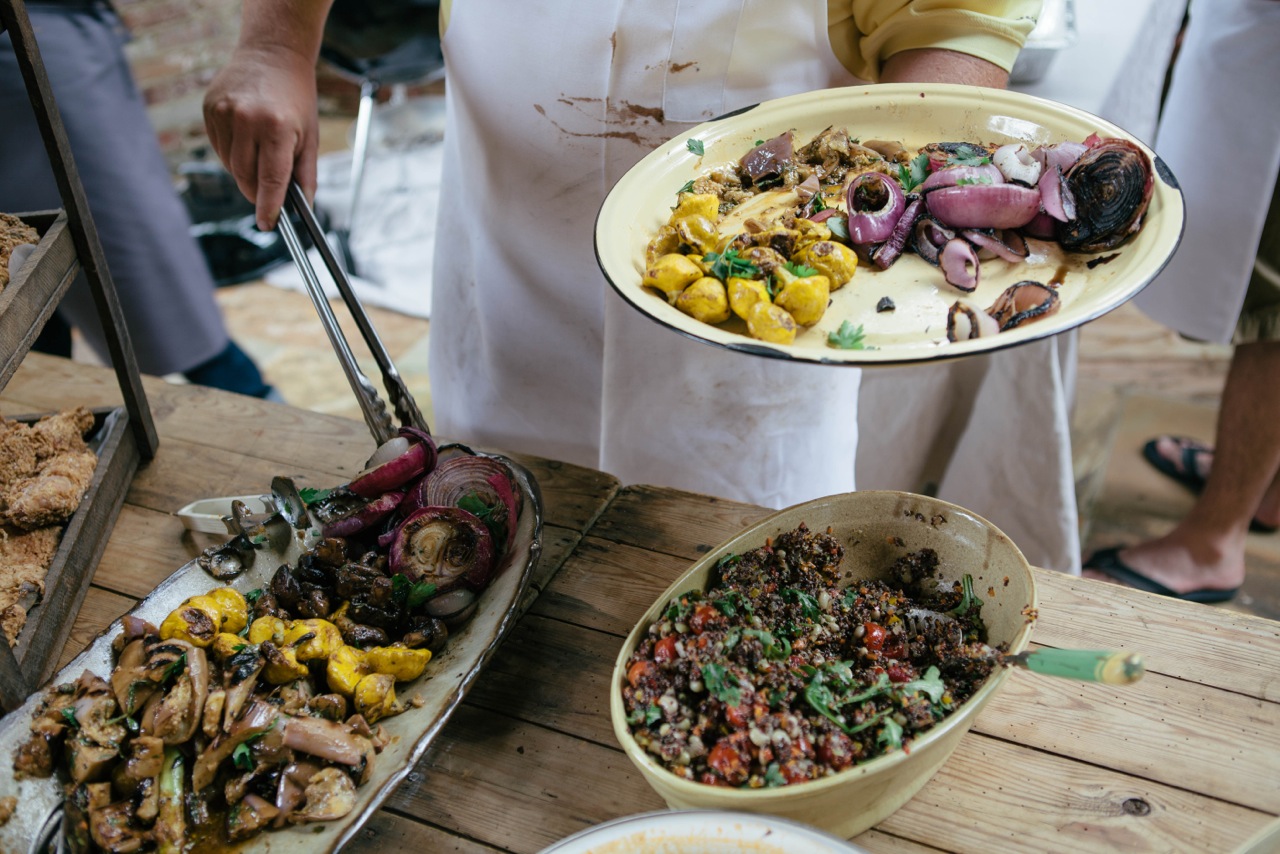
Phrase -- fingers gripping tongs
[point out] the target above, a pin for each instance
(375, 412)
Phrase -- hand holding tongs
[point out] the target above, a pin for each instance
(375, 412)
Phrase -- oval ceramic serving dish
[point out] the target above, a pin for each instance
(914, 114)
(874, 528)
(441, 688)
(701, 832)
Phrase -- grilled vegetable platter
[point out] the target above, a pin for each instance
(889, 224)
(270, 694)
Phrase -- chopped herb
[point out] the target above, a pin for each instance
(847, 337)
(728, 561)
(696, 146)
(800, 270)
(400, 587)
(731, 603)
(258, 539)
(912, 174)
(175, 667)
(891, 735)
(759, 142)
(817, 203)
(968, 155)
(730, 264)
(773, 776)
(241, 757)
(968, 601)
(773, 649)
(253, 596)
(821, 699)
(131, 725)
(687, 187)
(494, 516)
(808, 605)
(731, 639)
(313, 496)
(69, 715)
(647, 716)
(870, 722)
(977, 179)
(419, 593)
(719, 683)
(839, 226)
(679, 609)
(238, 647)
(930, 684)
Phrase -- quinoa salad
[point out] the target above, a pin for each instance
(778, 673)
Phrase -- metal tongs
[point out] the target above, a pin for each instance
(375, 411)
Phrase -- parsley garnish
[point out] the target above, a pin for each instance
(912, 174)
(968, 601)
(679, 609)
(773, 776)
(968, 155)
(847, 337)
(800, 270)
(174, 668)
(891, 735)
(930, 684)
(69, 715)
(312, 496)
(978, 179)
(730, 264)
(687, 187)
(731, 602)
(419, 593)
(759, 142)
(808, 605)
(718, 682)
(253, 596)
(696, 146)
(773, 648)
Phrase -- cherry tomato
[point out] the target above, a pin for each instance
(796, 771)
(702, 617)
(737, 716)
(836, 750)
(874, 636)
(895, 646)
(900, 672)
(639, 671)
(729, 758)
(665, 650)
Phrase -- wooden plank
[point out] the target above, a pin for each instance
(519, 786)
(1236, 652)
(32, 296)
(83, 541)
(98, 611)
(1214, 646)
(387, 831)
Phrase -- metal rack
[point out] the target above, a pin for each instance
(125, 437)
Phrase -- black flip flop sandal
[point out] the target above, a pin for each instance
(1189, 474)
(1107, 561)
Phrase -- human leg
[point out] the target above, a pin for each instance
(1205, 550)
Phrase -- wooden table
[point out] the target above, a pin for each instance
(1187, 759)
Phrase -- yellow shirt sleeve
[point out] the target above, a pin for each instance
(864, 33)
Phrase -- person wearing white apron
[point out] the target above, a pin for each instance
(548, 105)
(1222, 286)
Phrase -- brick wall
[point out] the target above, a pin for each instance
(177, 47)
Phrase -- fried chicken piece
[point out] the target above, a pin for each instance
(13, 232)
(63, 432)
(53, 495)
(12, 619)
(19, 452)
(19, 547)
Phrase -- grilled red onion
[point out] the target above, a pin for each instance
(994, 245)
(485, 479)
(1112, 184)
(1042, 226)
(959, 263)
(886, 253)
(950, 176)
(1062, 155)
(1016, 163)
(930, 236)
(766, 160)
(875, 203)
(824, 214)
(395, 463)
(1023, 302)
(984, 205)
(809, 187)
(1055, 196)
(363, 517)
(966, 320)
(453, 608)
(446, 546)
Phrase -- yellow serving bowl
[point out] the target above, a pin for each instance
(875, 529)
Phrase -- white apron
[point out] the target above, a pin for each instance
(549, 103)
(1220, 135)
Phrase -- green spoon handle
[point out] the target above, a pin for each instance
(1088, 665)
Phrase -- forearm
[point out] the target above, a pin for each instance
(296, 26)
(933, 65)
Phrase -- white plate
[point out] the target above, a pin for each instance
(702, 832)
(914, 114)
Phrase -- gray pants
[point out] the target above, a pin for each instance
(165, 289)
